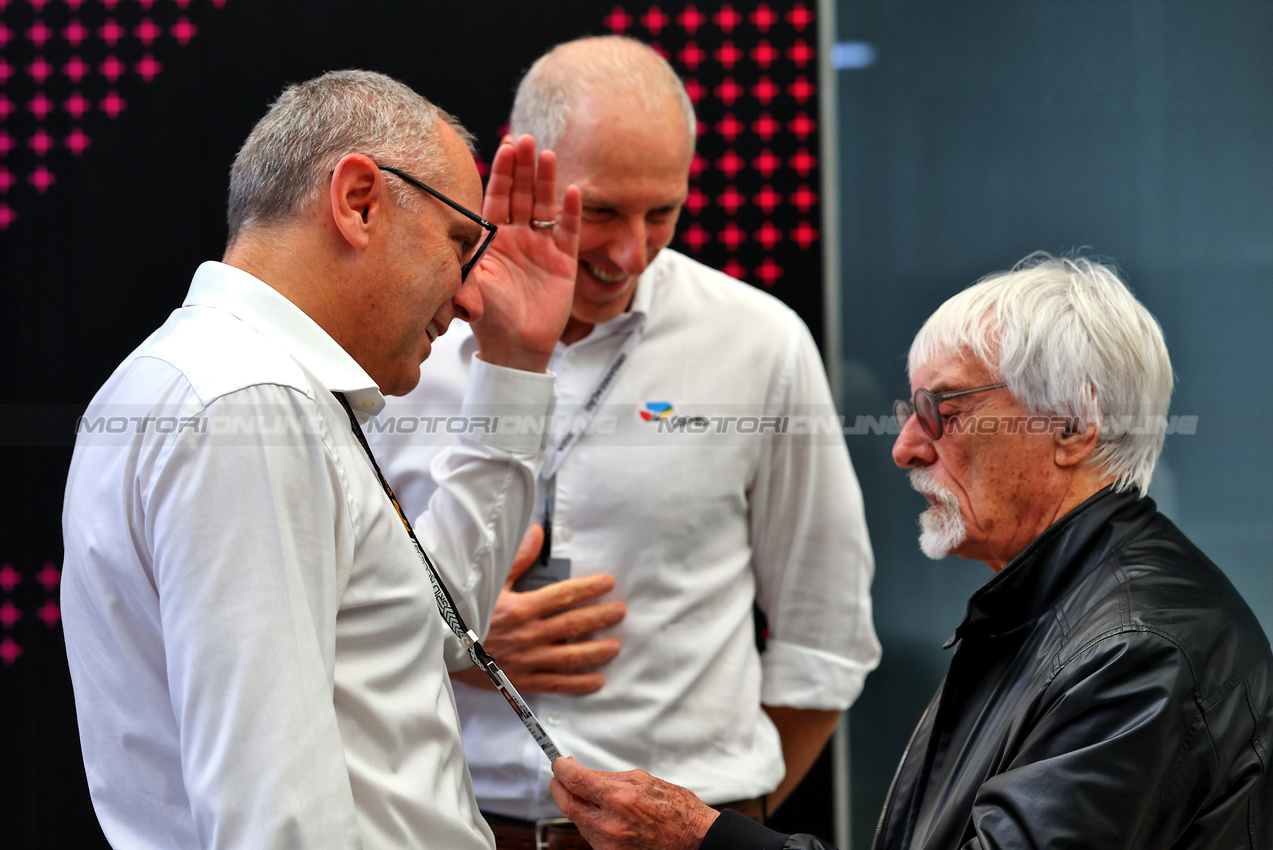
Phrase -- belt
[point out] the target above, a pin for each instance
(561, 834)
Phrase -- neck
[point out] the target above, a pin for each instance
(286, 262)
(1083, 485)
(575, 331)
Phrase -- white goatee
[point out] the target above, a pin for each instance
(941, 526)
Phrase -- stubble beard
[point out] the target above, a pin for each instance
(941, 527)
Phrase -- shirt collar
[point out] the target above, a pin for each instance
(644, 296)
(271, 314)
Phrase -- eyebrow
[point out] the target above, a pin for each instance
(599, 201)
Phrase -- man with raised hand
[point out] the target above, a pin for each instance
(683, 526)
(253, 640)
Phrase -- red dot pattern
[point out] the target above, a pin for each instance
(751, 71)
(67, 68)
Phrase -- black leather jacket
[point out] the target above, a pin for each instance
(1110, 689)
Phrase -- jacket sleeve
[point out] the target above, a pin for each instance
(733, 831)
(1116, 754)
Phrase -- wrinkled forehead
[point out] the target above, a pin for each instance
(951, 369)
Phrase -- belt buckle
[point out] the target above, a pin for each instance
(541, 830)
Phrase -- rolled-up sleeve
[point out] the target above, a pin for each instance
(812, 551)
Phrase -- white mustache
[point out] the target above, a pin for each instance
(923, 481)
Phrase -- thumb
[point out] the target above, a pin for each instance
(570, 774)
(526, 553)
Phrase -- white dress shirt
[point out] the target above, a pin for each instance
(682, 490)
(254, 644)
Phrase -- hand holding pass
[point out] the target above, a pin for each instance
(629, 811)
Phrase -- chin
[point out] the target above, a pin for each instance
(942, 531)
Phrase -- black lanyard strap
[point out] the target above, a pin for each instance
(451, 614)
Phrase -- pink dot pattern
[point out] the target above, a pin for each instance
(751, 71)
(67, 70)
(24, 600)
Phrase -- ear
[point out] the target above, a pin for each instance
(357, 197)
(1074, 441)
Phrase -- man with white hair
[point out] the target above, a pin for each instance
(685, 528)
(257, 657)
(1109, 687)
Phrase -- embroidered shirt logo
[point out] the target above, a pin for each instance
(655, 410)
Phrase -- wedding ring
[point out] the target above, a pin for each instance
(534, 222)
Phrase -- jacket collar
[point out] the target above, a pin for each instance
(1032, 582)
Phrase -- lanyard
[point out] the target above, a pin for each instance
(446, 606)
(578, 426)
(579, 422)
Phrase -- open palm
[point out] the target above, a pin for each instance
(527, 277)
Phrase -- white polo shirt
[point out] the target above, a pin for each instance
(254, 644)
(713, 474)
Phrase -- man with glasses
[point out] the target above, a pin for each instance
(682, 528)
(257, 655)
(1109, 688)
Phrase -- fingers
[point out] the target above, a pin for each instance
(569, 684)
(579, 782)
(568, 221)
(574, 623)
(523, 197)
(527, 552)
(569, 656)
(499, 186)
(523, 187)
(567, 594)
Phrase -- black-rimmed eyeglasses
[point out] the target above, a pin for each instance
(490, 228)
(927, 406)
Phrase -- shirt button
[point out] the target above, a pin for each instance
(553, 717)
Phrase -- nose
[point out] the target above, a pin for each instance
(631, 251)
(467, 301)
(913, 447)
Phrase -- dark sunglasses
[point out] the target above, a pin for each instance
(490, 228)
(927, 406)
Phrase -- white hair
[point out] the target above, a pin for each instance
(286, 159)
(1069, 339)
(614, 66)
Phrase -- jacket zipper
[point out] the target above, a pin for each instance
(888, 799)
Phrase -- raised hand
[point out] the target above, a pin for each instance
(527, 277)
(629, 811)
(529, 631)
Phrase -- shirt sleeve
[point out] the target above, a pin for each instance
(811, 550)
(249, 560)
(1112, 741)
(485, 488)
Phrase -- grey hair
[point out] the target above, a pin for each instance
(1069, 339)
(613, 64)
(286, 159)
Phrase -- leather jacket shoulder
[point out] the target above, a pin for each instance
(1110, 688)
